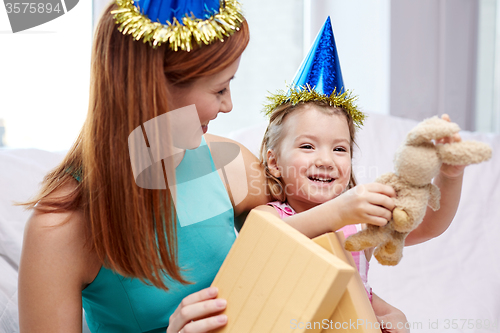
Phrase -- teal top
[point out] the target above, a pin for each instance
(205, 233)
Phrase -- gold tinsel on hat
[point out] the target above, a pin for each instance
(304, 94)
(178, 35)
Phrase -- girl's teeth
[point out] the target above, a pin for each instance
(325, 180)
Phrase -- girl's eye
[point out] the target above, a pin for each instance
(340, 149)
(306, 147)
(222, 91)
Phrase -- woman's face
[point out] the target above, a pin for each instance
(210, 94)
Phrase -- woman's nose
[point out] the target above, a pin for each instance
(227, 103)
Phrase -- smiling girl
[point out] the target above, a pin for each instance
(306, 152)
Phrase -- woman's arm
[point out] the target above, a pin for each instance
(54, 269)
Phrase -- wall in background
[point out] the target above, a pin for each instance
(433, 59)
(282, 32)
(271, 59)
(487, 115)
(407, 58)
(44, 80)
(445, 59)
(361, 29)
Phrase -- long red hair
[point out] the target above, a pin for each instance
(129, 87)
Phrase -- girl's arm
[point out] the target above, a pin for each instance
(436, 222)
(55, 267)
(370, 203)
(449, 181)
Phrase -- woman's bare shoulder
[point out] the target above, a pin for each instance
(60, 236)
(56, 265)
(40, 220)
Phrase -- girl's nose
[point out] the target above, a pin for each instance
(324, 159)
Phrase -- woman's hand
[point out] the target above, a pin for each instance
(197, 313)
(447, 170)
(370, 203)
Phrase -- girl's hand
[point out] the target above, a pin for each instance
(391, 319)
(196, 313)
(370, 203)
(393, 323)
(447, 170)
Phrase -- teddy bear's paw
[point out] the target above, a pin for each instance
(358, 242)
(402, 222)
(352, 245)
(388, 254)
(387, 261)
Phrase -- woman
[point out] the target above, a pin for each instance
(93, 232)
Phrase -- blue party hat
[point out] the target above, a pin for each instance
(180, 23)
(321, 67)
(319, 79)
(165, 10)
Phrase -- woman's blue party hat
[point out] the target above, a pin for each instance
(180, 23)
(165, 10)
(321, 67)
(319, 79)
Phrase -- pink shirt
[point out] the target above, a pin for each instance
(285, 210)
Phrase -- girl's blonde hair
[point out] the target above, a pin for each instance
(274, 135)
(129, 228)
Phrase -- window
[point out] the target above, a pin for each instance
(44, 80)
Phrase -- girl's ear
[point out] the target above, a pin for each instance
(272, 164)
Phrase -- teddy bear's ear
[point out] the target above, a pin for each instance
(464, 153)
(431, 129)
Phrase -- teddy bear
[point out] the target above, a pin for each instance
(417, 161)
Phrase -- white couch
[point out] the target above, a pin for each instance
(452, 281)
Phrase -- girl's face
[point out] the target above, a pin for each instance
(314, 158)
(210, 94)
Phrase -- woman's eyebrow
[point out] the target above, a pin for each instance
(231, 78)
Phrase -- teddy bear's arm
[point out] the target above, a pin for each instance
(434, 197)
(464, 152)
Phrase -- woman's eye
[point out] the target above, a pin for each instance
(222, 91)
